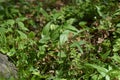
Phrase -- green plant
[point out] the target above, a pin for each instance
(79, 41)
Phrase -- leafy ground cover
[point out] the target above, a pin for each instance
(62, 40)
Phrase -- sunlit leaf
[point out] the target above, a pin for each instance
(64, 37)
(118, 25)
(22, 26)
(11, 22)
(12, 52)
(62, 54)
(71, 28)
(22, 35)
(70, 21)
(21, 19)
(21, 45)
(45, 14)
(46, 29)
(36, 72)
(116, 57)
(44, 39)
(2, 30)
(103, 71)
(82, 23)
(99, 11)
(114, 72)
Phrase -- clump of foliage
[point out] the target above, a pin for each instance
(77, 41)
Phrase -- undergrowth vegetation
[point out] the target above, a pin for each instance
(62, 40)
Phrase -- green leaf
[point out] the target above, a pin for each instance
(55, 34)
(103, 71)
(11, 52)
(21, 19)
(107, 77)
(62, 54)
(70, 21)
(3, 39)
(22, 45)
(116, 57)
(22, 26)
(31, 34)
(82, 23)
(45, 14)
(22, 35)
(78, 45)
(105, 55)
(46, 29)
(99, 11)
(2, 30)
(94, 77)
(42, 50)
(36, 72)
(64, 37)
(1, 1)
(71, 28)
(118, 25)
(116, 46)
(53, 26)
(11, 22)
(44, 39)
(4, 50)
(114, 73)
